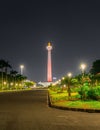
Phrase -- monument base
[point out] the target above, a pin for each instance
(45, 84)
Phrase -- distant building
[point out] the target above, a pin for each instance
(44, 84)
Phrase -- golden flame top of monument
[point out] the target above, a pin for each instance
(49, 46)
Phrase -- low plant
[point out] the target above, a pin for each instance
(83, 91)
(94, 93)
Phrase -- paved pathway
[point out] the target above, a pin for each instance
(29, 111)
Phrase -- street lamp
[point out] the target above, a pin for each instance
(21, 69)
(83, 66)
(4, 83)
(63, 78)
(11, 83)
(69, 77)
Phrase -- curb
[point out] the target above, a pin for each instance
(50, 104)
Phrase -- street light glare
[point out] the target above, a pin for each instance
(63, 78)
(83, 66)
(69, 74)
(22, 66)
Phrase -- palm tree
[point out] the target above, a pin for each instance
(13, 74)
(4, 65)
(20, 78)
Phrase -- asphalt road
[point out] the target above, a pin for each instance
(29, 111)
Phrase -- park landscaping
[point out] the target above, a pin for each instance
(62, 100)
(81, 91)
(11, 80)
(83, 95)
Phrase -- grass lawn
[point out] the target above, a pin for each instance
(61, 99)
(15, 90)
(79, 104)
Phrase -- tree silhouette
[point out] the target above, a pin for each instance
(95, 67)
(4, 65)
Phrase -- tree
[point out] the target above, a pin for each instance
(95, 73)
(67, 81)
(64, 80)
(95, 67)
(1, 69)
(20, 80)
(4, 65)
(13, 74)
(29, 83)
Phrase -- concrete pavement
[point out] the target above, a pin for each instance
(29, 111)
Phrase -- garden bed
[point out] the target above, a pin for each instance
(61, 100)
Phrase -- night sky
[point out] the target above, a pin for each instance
(72, 26)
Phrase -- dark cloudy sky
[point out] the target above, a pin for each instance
(72, 26)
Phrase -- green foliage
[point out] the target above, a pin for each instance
(95, 67)
(74, 81)
(78, 96)
(6, 78)
(64, 81)
(29, 83)
(84, 91)
(56, 88)
(87, 92)
(94, 93)
(78, 79)
(89, 104)
(75, 89)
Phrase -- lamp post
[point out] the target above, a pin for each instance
(69, 77)
(63, 78)
(21, 69)
(83, 67)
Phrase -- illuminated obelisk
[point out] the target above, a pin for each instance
(49, 63)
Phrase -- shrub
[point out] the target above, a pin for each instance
(77, 96)
(83, 91)
(94, 93)
(75, 89)
(56, 88)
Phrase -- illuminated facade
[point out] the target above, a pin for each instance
(49, 63)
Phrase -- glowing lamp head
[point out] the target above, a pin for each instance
(21, 66)
(49, 47)
(69, 75)
(83, 66)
